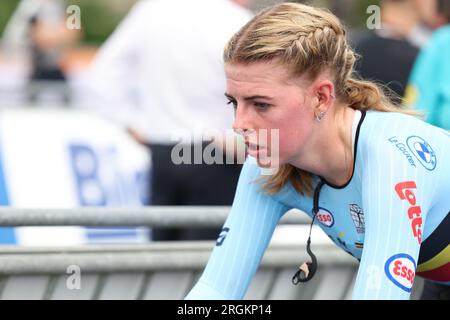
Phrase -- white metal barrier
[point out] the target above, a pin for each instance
(156, 270)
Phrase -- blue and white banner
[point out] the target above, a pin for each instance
(68, 159)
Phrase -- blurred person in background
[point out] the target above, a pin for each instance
(430, 14)
(429, 84)
(387, 54)
(49, 38)
(161, 76)
(38, 36)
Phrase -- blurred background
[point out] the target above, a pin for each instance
(74, 129)
(59, 146)
(70, 52)
(76, 78)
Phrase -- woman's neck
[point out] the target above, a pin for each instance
(330, 153)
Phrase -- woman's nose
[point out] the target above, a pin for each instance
(240, 124)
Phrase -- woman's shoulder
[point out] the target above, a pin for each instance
(386, 123)
(398, 122)
(382, 132)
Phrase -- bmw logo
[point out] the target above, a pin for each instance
(422, 151)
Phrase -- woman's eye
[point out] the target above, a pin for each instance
(233, 102)
(261, 105)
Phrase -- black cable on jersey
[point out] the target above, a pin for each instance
(307, 270)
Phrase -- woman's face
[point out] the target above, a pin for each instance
(266, 100)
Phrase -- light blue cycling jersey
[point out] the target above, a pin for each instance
(396, 203)
(429, 84)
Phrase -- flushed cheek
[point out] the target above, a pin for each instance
(290, 142)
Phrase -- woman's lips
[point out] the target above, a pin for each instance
(254, 149)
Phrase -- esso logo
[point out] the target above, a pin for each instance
(325, 217)
(401, 269)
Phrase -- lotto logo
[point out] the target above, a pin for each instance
(404, 191)
(325, 217)
(401, 269)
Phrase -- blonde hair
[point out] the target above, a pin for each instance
(308, 41)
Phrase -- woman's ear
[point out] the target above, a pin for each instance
(324, 93)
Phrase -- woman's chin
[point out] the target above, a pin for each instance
(264, 160)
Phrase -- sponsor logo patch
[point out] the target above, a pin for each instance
(325, 217)
(404, 191)
(357, 217)
(403, 149)
(423, 152)
(400, 269)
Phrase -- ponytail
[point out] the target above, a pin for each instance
(367, 95)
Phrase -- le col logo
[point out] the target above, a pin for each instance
(400, 269)
(325, 217)
(404, 191)
(402, 147)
